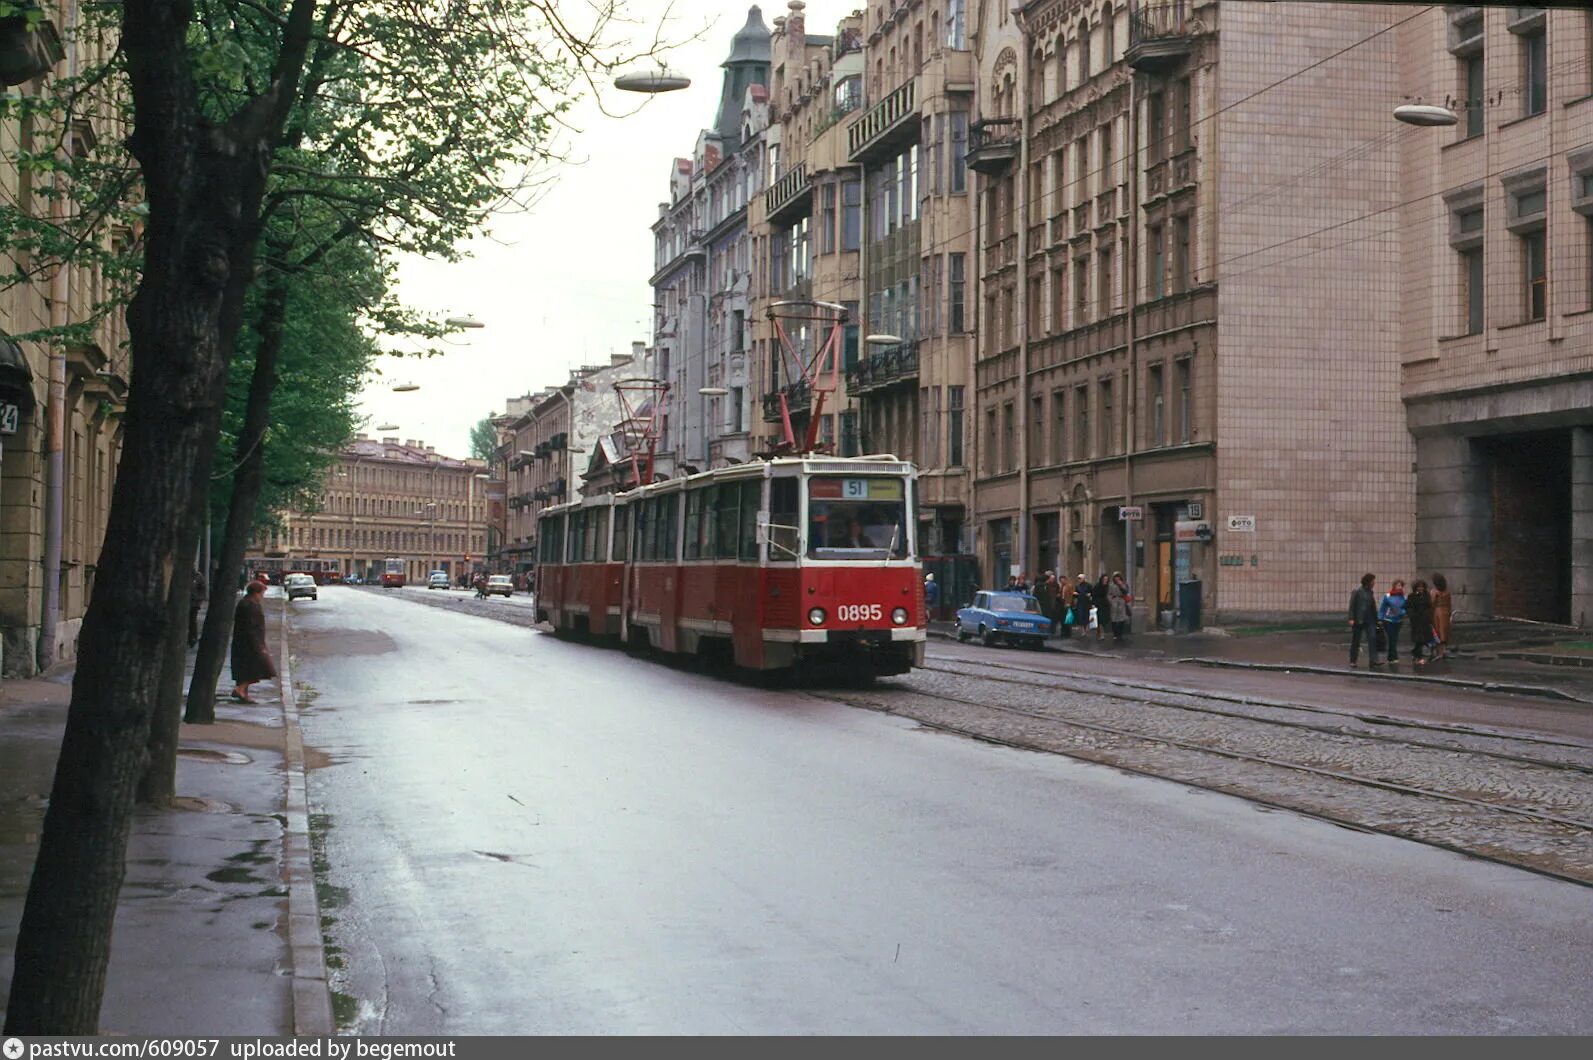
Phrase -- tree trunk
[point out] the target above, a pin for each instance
(158, 786)
(204, 187)
(246, 480)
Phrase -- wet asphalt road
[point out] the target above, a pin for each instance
(524, 835)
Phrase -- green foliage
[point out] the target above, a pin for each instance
(483, 438)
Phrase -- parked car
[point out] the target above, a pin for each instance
(995, 616)
(437, 579)
(300, 585)
(500, 585)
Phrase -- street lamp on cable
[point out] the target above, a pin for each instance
(652, 81)
(1425, 114)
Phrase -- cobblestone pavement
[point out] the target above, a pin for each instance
(1522, 800)
(1511, 800)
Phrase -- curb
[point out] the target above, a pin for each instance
(1542, 691)
(312, 996)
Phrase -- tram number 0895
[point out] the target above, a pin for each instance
(859, 612)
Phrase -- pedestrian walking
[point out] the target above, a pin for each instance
(931, 594)
(1391, 615)
(1443, 615)
(196, 599)
(1419, 610)
(1363, 620)
(251, 661)
(1120, 603)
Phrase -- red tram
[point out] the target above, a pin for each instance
(770, 564)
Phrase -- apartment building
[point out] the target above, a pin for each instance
(702, 271)
(387, 499)
(914, 382)
(44, 592)
(808, 235)
(1190, 257)
(1495, 294)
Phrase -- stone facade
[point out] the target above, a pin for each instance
(386, 499)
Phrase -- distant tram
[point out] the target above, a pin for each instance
(324, 571)
(393, 574)
(770, 564)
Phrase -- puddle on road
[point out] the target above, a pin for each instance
(207, 754)
(346, 642)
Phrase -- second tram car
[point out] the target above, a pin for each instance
(769, 564)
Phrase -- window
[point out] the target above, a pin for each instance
(1466, 237)
(785, 527)
(1081, 291)
(1108, 36)
(738, 421)
(1009, 437)
(957, 25)
(1535, 274)
(1186, 406)
(1181, 272)
(851, 214)
(1081, 422)
(1059, 288)
(1156, 264)
(1529, 26)
(848, 95)
(990, 442)
(1104, 288)
(827, 220)
(954, 414)
(1158, 417)
(1084, 50)
(1156, 126)
(1474, 93)
(727, 521)
(958, 179)
(1108, 435)
(1036, 451)
(1059, 434)
(1036, 304)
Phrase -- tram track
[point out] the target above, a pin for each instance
(1499, 806)
(1165, 696)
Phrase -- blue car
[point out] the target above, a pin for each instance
(1012, 617)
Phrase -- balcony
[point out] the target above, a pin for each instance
(798, 396)
(886, 367)
(543, 450)
(790, 197)
(1161, 34)
(993, 145)
(891, 121)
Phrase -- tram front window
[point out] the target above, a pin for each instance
(857, 518)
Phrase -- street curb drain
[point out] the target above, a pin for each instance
(312, 996)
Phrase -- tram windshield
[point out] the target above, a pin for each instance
(857, 518)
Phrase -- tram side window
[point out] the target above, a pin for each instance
(599, 519)
(784, 529)
(727, 520)
(622, 534)
(669, 516)
(751, 498)
(694, 501)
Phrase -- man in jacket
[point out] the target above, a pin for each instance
(1045, 591)
(1363, 620)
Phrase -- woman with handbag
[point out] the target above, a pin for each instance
(1419, 609)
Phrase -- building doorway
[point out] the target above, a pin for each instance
(1112, 544)
(1529, 479)
(1047, 537)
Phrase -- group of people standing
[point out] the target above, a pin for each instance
(1080, 604)
(1429, 613)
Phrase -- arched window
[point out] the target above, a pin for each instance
(1084, 50)
(1109, 37)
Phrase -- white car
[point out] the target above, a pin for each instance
(438, 579)
(500, 585)
(298, 585)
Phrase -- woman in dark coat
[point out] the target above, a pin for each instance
(251, 661)
(1419, 610)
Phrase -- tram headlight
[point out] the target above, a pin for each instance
(899, 616)
(816, 616)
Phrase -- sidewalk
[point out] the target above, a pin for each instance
(201, 942)
(1491, 656)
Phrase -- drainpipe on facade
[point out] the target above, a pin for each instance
(55, 408)
(1022, 181)
(1130, 398)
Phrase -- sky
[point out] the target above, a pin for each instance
(566, 284)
